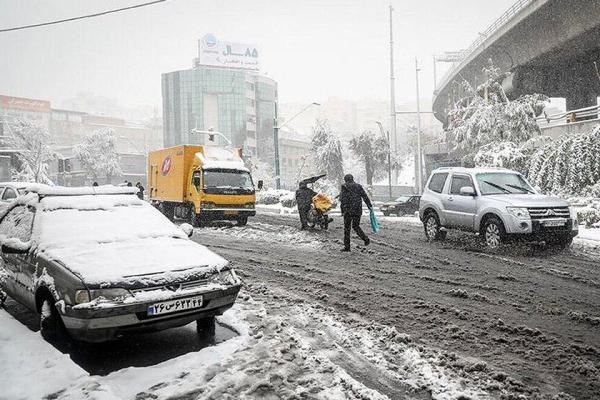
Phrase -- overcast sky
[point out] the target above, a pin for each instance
(313, 48)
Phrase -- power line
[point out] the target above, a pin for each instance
(81, 17)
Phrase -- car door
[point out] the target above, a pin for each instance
(461, 209)
(15, 228)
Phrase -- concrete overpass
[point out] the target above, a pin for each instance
(549, 46)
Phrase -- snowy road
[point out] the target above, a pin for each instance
(515, 322)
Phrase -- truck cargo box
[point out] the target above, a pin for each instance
(169, 172)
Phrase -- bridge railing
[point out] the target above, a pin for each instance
(483, 36)
(582, 114)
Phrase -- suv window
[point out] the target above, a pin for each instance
(459, 181)
(437, 182)
(18, 223)
(9, 194)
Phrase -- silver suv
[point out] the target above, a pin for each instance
(499, 204)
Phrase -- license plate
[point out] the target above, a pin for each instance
(555, 222)
(171, 306)
(231, 212)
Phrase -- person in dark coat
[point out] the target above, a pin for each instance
(304, 196)
(351, 198)
(140, 192)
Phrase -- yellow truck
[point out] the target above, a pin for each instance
(201, 183)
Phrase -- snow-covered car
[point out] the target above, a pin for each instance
(499, 204)
(9, 191)
(102, 263)
(401, 206)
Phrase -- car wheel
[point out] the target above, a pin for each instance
(400, 213)
(242, 221)
(206, 326)
(493, 233)
(51, 325)
(3, 297)
(386, 213)
(431, 224)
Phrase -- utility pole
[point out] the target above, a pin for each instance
(276, 149)
(389, 157)
(392, 86)
(419, 166)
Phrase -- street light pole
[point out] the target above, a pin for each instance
(276, 128)
(419, 167)
(392, 86)
(389, 157)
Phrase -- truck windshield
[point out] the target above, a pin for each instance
(503, 183)
(227, 179)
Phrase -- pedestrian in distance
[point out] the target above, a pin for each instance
(351, 197)
(140, 192)
(129, 184)
(304, 196)
(95, 184)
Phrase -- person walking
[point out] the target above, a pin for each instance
(140, 192)
(304, 196)
(351, 198)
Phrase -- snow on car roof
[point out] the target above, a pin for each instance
(46, 190)
(18, 185)
(472, 170)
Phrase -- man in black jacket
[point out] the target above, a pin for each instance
(304, 196)
(351, 198)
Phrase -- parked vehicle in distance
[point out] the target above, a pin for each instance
(101, 263)
(401, 206)
(499, 204)
(201, 183)
(9, 191)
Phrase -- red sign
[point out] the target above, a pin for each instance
(21, 103)
(166, 165)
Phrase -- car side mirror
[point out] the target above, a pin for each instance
(196, 181)
(187, 229)
(260, 184)
(467, 191)
(7, 249)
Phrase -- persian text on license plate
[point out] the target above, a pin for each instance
(555, 222)
(166, 307)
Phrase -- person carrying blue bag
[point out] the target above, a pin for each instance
(351, 197)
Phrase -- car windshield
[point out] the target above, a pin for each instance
(222, 178)
(70, 220)
(402, 199)
(503, 183)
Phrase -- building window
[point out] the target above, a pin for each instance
(250, 103)
(250, 86)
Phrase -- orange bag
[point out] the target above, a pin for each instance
(322, 202)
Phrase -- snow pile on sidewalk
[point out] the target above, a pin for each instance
(30, 368)
(270, 233)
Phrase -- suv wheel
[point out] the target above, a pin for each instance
(493, 233)
(3, 297)
(431, 224)
(562, 243)
(51, 326)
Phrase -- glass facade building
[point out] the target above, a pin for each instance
(236, 102)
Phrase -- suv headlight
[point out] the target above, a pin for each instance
(518, 212)
(228, 278)
(109, 294)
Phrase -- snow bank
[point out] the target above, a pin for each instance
(30, 368)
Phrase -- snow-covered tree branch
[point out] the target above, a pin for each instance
(98, 156)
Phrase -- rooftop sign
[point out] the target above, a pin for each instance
(217, 53)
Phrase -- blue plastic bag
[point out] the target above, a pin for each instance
(374, 222)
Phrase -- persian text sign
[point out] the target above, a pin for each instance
(218, 53)
(24, 104)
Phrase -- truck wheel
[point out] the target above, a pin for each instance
(51, 325)
(493, 233)
(242, 221)
(431, 224)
